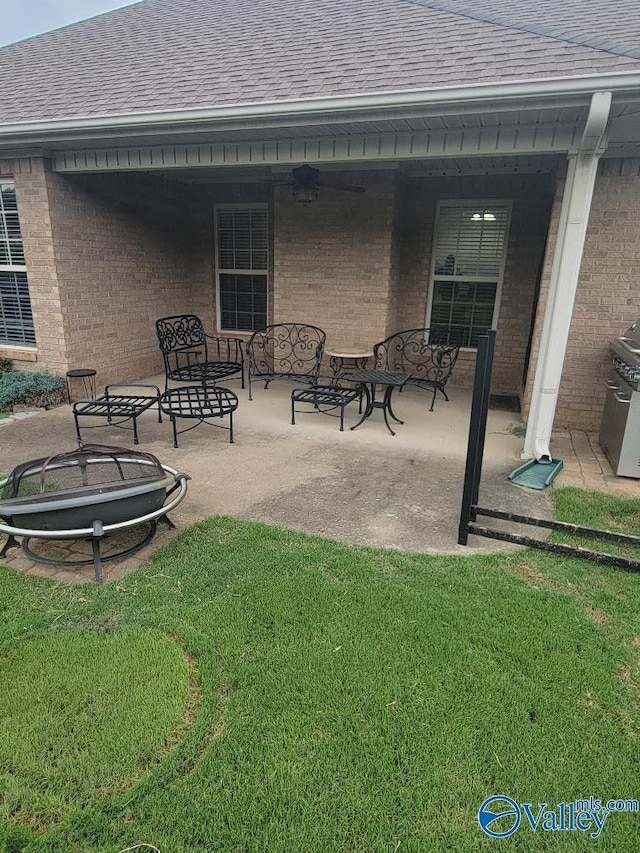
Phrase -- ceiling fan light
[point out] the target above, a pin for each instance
(304, 194)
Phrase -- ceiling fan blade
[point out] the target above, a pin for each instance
(344, 187)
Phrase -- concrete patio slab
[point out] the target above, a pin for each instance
(363, 486)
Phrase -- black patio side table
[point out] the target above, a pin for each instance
(368, 379)
(87, 375)
(199, 402)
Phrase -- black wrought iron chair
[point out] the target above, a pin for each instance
(428, 355)
(191, 355)
(285, 351)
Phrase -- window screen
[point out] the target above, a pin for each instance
(469, 249)
(16, 319)
(242, 266)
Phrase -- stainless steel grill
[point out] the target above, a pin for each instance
(620, 427)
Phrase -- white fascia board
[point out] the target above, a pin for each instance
(469, 142)
(343, 107)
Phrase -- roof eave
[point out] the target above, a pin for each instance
(558, 91)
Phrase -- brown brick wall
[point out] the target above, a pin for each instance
(362, 271)
(126, 249)
(124, 257)
(395, 273)
(608, 294)
(29, 177)
(109, 254)
(228, 193)
(531, 197)
(332, 259)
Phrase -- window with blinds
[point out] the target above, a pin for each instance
(468, 262)
(16, 319)
(242, 263)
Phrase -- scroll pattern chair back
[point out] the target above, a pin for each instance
(428, 355)
(191, 355)
(285, 350)
(182, 333)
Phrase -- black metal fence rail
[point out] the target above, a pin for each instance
(469, 510)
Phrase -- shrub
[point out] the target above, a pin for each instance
(27, 388)
(5, 366)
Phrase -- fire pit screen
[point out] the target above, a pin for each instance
(87, 492)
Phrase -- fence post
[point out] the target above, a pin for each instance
(477, 432)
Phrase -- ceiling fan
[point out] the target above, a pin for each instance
(305, 184)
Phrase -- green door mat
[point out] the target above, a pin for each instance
(536, 475)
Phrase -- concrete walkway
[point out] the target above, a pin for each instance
(366, 486)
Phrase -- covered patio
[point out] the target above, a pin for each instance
(461, 197)
(366, 216)
(364, 486)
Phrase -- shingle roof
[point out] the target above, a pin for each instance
(613, 27)
(173, 54)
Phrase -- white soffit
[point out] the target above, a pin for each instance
(468, 142)
(624, 133)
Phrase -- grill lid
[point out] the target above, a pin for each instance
(626, 348)
(93, 466)
(632, 337)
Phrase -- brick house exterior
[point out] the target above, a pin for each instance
(116, 193)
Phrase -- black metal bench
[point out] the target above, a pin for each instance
(427, 355)
(285, 351)
(324, 399)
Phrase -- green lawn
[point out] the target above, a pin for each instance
(255, 689)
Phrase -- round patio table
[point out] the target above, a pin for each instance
(200, 403)
(345, 360)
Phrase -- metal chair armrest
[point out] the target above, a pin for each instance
(232, 346)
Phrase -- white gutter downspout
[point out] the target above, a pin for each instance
(567, 259)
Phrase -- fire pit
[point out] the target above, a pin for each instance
(88, 492)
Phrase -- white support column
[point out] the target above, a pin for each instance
(567, 259)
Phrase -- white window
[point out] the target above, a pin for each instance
(16, 319)
(242, 263)
(468, 257)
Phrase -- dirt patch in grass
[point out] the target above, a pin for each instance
(534, 577)
(597, 616)
(193, 699)
(215, 733)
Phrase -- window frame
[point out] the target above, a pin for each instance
(506, 204)
(21, 346)
(216, 211)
